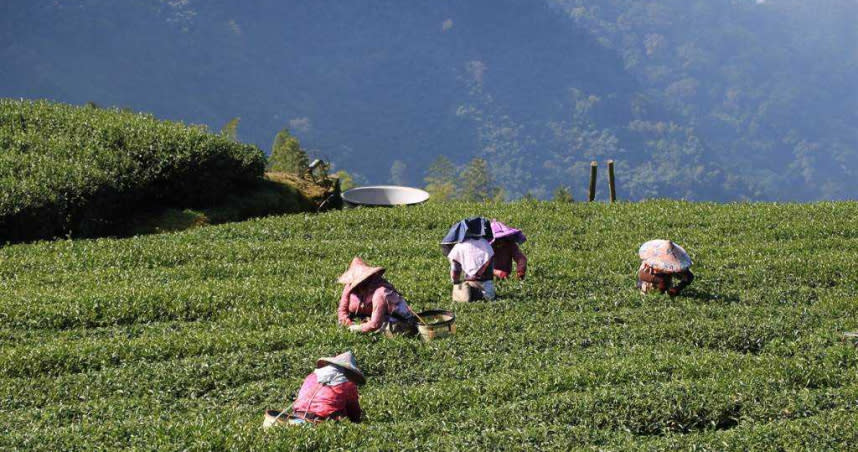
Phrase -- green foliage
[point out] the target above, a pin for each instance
(267, 197)
(287, 155)
(346, 180)
(78, 170)
(476, 182)
(230, 129)
(180, 341)
(528, 197)
(398, 174)
(563, 194)
(168, 220)
(729, 69)
(761, 92)
(441, 179)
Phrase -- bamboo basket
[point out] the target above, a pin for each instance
(436, 324)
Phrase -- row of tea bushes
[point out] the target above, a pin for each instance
(78, 170)
(180, 341)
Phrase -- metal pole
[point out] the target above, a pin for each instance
(593, 167)
(611, 180)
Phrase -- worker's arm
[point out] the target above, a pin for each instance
(455, 272)
(685, 278)
(520, 261)
(379, 312)
(343, 307)
(660, 282)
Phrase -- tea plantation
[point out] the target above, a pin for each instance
(180, 341)
(79, 170)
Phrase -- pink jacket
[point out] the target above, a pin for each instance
(374, 299)
(331, 402)
(507, 251)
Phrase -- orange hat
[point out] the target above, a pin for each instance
(358, 272)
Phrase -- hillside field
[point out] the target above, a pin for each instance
(69, 171)
(182, 340)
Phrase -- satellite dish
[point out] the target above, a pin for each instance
(384, 196)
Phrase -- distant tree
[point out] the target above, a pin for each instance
(476, 182)
(441, 179)
(398, 174)
(92, 104)
(287, 155)
(230, 129)
(346, 180)
(563, 194)
(529, 197)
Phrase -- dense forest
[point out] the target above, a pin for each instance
(740, 99)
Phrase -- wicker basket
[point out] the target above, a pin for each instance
(438, 324)
(272, 418)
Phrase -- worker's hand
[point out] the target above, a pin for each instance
(346, 322)
(500, 274)
(673, 291)
(355, 328)
(520, 275)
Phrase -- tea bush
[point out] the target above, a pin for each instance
(181, 340)
(67, 169)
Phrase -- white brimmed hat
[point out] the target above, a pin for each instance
(346, 362)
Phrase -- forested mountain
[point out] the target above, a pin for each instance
(770, 86)
(725, 100)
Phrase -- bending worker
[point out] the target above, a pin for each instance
(372, 300)
(662, 260)
(467, 247)
(328, 393)
(505, 246)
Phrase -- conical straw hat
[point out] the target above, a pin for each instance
(358, 272)
(502, 231)
(664, 256)
(346, 362)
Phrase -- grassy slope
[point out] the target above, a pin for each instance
(182, 340)
(276, 194)
(81, 170)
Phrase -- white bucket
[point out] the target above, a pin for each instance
(384, 195)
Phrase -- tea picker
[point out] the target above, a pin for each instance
(661, 261)
(370, 299)
(505, 245)
(467, 247)
(328, 393)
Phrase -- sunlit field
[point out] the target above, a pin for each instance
(182, 340)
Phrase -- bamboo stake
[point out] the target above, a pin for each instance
(415, 315)
(611, 180)
(593, 167)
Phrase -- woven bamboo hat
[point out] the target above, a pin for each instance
(664, 256)
(502, 231)
(345, 362)
(358, 272)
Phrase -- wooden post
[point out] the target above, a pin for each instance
(593, 167)
(611, 181)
